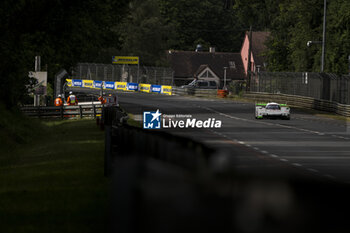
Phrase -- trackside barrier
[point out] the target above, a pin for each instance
(301, 101)
(194, 91)
(123, 86)
(145, 87)
(154, 144)
(88, 110)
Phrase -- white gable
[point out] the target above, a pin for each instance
(208, 74)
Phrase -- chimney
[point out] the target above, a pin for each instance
(212, 49)
(37, 63)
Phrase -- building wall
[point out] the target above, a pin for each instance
(244, 55)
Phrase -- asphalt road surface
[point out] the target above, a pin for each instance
(306, 146)
(265, 176)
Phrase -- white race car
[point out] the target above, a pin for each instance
(272, 110)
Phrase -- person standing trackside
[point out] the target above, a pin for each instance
(102, 99)
(72, 99)
(58, 101)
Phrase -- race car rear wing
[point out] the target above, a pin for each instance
(264, 105)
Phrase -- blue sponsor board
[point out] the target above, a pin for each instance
(77, 83)
(133, 86)
(98, 84)
(156, 88)
(109, 85)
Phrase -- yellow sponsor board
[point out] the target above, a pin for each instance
(88, 83)
(69, 82)
(145, 87)
(125, 60)
(166, 90)
(121, 86)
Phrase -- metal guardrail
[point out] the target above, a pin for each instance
(301, 101)
(160, 145)
(194, 91)
(323, 86)
(88, 110)
(296, 100)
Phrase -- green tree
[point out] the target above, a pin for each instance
(201, 20)
(63, 32)
(256, 13)
(338, 37)
(297, 22)
(143, 33)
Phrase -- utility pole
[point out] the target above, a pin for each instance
(324, 34)
(225, 88)
(249, 58)
(323, 42)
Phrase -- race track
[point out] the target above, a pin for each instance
(307, 146)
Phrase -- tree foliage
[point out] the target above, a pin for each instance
(65, 32)
(154, 26)
(62, 32)
(299, 21)
(143, 32)
(202, 20)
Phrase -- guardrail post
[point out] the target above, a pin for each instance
(80, 112)
(94, 109)
(108, 150)
(61, 112)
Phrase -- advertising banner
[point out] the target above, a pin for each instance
(77, 83)
(145, 87)
(121, 86)
(166, 90)
(69, 82)
(125, 60)
(132, 87)
(156, 88)
(109, 85)
(98, 84)
(88, 83)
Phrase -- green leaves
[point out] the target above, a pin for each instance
(62, 32)
(299, 21)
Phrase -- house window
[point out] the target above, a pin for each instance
(232, 64)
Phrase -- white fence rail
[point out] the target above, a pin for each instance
(87, 110)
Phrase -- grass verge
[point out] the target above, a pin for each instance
(132, 122)
(54, 181)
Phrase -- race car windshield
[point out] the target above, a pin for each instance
(273, 106)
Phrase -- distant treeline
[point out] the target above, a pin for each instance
(64, 32)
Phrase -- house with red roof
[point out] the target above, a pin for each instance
(258, 47)
(210, 66)
(218, 66)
